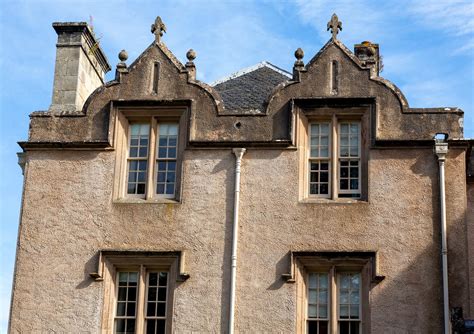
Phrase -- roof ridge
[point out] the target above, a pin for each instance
(249, 69)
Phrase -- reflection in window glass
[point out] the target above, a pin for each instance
(318, 301)
(349, 159)
(349, 303)
(319, 159)
(167, 146)
(138, 158)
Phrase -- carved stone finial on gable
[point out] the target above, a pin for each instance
(122, 66)
(335, 25)
(158, 28)
(191, 55)
(299, 54)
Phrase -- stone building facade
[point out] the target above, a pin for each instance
(269, 202)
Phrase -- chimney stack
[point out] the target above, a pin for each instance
(80, 66)
(368, 54)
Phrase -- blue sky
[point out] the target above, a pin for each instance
(427, 48)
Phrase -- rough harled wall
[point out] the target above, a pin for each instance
(470, 241)
(68, 215)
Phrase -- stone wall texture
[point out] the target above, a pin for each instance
(69, 215)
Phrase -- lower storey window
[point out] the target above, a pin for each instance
(328, 289)
(139, 311)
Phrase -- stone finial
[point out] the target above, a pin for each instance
(191, 55)
(299, 65)
(158, 28)
(299, 54)
(335, 25)
(123, 56)
(121, 66)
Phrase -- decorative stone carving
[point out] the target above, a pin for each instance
(191, 55)
(335, 25)
(158, 28)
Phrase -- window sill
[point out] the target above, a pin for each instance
(146, 201)
(316, 200)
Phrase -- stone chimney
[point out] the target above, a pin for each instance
(368, 54)
(80, 66)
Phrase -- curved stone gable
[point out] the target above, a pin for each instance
(393, 119)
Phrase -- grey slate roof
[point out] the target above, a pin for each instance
(245, 92)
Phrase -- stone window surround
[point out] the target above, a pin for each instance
(304, 262)
(123, 116)
(333, 115)
(110, 262)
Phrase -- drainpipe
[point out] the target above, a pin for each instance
(239, 152)
(441, 150)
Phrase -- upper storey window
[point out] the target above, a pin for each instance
(334, 159)
(140, 166)
(334, 152)
(151, 146)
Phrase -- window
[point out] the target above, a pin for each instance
(129, 318)
(150, 145)
(346, 296)
(333, 290)
(138, 290)
(335, 159)
(142, 169)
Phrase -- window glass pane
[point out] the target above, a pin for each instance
(324, 189)
(313, 280)
(344, 327)
(354, 151)
(349, 295)
(141, 188)
(344, 312)
(155, 326)
(173, 129)
(355, 128)
(161, 309)
(323, 296)
(163, 279)
(125, 311)
(344, 128)
(317, 296)
(137, 158)
(324, 152)
(312, 311)
(121, 309)
(151, 309)
(344, 184)
(323, 311)
(166, 159)
(162, 152)
(354, 184)
(313, 296)
(354, 311)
